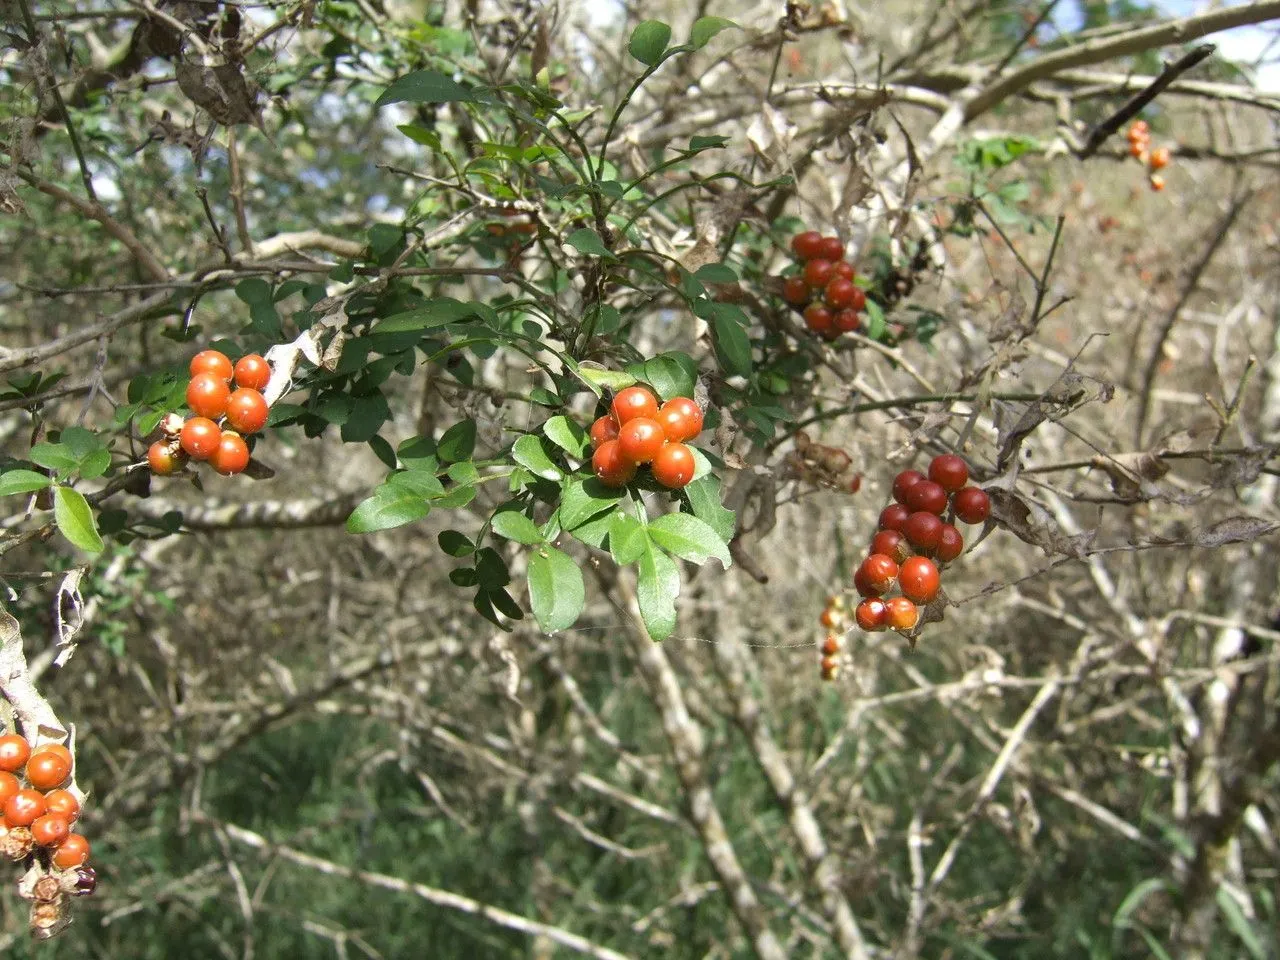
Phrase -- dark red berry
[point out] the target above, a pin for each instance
(818, 318)
(949, 472)
(847, 320)
(927, 495)
(972, 505)
(818, 273)
(795, 291)
(838, 294)
(923, 530)
(807, 245)
(888, 542)
(832, 249)
(893, 517)
(844, 269)
(905, 481)
(950, 543)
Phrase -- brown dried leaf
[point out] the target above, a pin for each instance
(1234, 530)
(220, 90)
(1033, 524)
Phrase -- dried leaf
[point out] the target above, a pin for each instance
(1234, 530)
(1033, 524)
(220, 90)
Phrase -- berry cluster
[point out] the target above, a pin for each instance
(835, 617)
(912, 541)
(824, 290)
(39, 811)
(1140, 147)
(223, 416)
(637, 431)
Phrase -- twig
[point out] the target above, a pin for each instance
(1107, 127)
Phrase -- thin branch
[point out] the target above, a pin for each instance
(432, 895)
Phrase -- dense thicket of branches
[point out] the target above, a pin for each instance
(299, 741)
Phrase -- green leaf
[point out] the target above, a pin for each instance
(611, 379)
(627, 538)
(1240, 924)
(704, 28)
(580, 500)
(656, 590)
(585, 240)
(95, 463)
(733, 346)
(72, 514)
(567, 435)
(455, 543)
(428, 138)
(556, 590)
(514, 525)
(704, 499)
(432, 314)
(649, 41)
(671, 374)
(416, 482)
(423, 86)
(389, 506)
(716, 273)
(530, 454)
(458, 442)
(491, 569)
(54, 456)
(505, 604)
(1157, 951)
(698, 144)
(22, 481)
(689, 539)
(368, 414)
(875, 320)
(1120, 920)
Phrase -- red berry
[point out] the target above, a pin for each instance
(859, 302)
(212, 361)
(828, 618)
(923, 530)
(901, 614)
(22, 809)
(9, 786)
(14, 751)
(634, 402)
(844, 269)
(247, 410)
(831, 645)
(949, 472)
(253, 372)
(950, 543)
(878, 573)
(839, 293)
(856, 483)
(795, 291)
(926, 495)
(207, 395)
(674, 466)
(919, 579)
(164, 459)
(829, 667)
(818, 318)
(893, 517)
(50, 830)
(806, 245)
(613, 469)
(63, 803)
(1159, 158)
(604, 428)
(232, 455)
(832, 248)
(680, 419)
(888, 542)
(640, 439)
(48, 770)
(872, 614)
(818, 273)
(972, 505)
(903, 482)
(200, 438)
(57, 748)
(72, 852)
(847, 320)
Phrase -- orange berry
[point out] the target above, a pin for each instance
(14, 751)
(72, 852)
